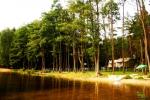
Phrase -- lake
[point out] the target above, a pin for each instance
(14, 86)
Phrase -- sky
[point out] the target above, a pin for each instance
(15, 13)
(130, 10)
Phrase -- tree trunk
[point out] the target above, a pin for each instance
(142, 18)
(130, 46)
(68, 61)
(112, 41)
(53, 63)
(142, 61)
(60, 58)
(97, 62)
(106, 48)
(53, 58)
(74, 58)
(56, 62)
(43, 58)
(123, 39)
(82, 58)
(96, 36)
(97, 42)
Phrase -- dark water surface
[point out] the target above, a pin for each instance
(25, 87)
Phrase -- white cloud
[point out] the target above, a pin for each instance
(14, 13)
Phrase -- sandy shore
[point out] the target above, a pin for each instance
(108, 80)
(5, 70)
(136, 82)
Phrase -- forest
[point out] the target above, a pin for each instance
(80, 37)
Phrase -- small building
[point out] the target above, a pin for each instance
(118, 63)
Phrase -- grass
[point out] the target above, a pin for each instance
(130, 78)
(73, 74)
(121, 73)
(79, 75)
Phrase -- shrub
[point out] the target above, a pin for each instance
(140, 77)
(127, 77)
(47, 71)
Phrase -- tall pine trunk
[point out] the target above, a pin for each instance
(105, 36)
(142, 61)
(74, 54)
(97, 42)
(123, 38)
(54, 57)
(68, 59)
(43, 58)
(82, 58)
(142, 18)
(60, 57)
(112, 40)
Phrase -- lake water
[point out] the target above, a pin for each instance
(26, 87)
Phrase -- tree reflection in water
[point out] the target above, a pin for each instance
(26, 87)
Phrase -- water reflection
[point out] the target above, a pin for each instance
(26, 87)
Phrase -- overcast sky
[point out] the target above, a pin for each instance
(15, 13)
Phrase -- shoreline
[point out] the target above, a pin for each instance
(106, 80)
(5, 70)
(83, 77)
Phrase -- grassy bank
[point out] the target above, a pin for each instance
(131, 78)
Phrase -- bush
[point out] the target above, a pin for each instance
(140, 77)
(47, 71)
(127, 77)
(30, 71)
